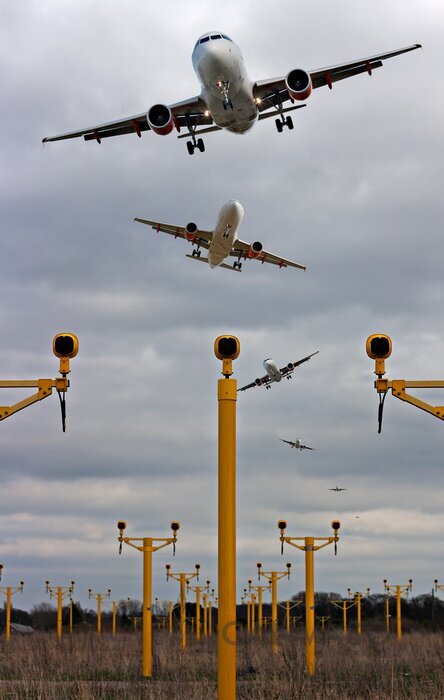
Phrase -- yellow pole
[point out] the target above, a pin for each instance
(183, 613)
(8, 613)
(287, 616)
(114, 617)
(147, 607)
(253, 614)
(274, 632)
(259, 611)
(70, 615)
(210, 618)
(226, 628)
(344, 615)
(205, 619)
(99, 614)
(387, 614)
(198, 613)
(398, 612)
(309, 606)
(59, 611)
(358, 612)
(248, 616)
(170, 617)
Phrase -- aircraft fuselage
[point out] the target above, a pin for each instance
(272, 370)
(226, 88)
(225, 232)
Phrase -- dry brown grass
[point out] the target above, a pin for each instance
(85, 667)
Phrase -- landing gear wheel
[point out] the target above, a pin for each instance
(289, 123)
(200, 145)
(190, 147)
(279, 126)
(198, 254)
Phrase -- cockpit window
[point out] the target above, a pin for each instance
(216, 36)
(204, 39)
(224, 36)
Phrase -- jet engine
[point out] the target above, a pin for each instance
(258, 381)
(190, 231)
(298, 83)
(160, 119)
(290, 366)
(254, 250)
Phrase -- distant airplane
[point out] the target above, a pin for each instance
(222, 241)
(229, 99)
(336, 488)
(274, 374)
(297, 444)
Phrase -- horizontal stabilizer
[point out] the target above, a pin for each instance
(205, 260)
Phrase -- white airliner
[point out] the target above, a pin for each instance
(229, 99)
(274, 374)
(222, 241)
(298, 445)
(336, 488)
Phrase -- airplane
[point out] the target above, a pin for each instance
(274, 374)
(222, 241)
(229, 99)
(336, 488)
(297, 444)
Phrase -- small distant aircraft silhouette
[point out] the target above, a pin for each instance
(336, 488)
(298, 445)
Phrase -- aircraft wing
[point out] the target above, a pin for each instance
(289, 442)
(193, 110)
(305, 447)
(287, 370)
(258, 382)
(267, 91)
(203, 238)
(241, 248)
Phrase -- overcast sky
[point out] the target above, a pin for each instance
(354, 192)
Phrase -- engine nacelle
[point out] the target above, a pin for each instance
(254, 250)
(298, 83)
(160, 119)
(258, 381)
(190, 232)
(290, 366)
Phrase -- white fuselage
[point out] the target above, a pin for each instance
(272, 370)
(226, 88)
(225, 232)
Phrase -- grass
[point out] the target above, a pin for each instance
(85, 667)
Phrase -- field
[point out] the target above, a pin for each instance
(84, 667)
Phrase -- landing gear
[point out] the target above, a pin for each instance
(194, 143)
(224, 87)
(196, 253)
(237, 265)
(282, 121)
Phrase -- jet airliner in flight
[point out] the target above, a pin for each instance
(298, 445)
(222, 241)
(228, 98)
(274, 374)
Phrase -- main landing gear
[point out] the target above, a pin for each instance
(282, 121)
(196, 252)
(195, 143)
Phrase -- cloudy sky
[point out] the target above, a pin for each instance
(354, 193)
